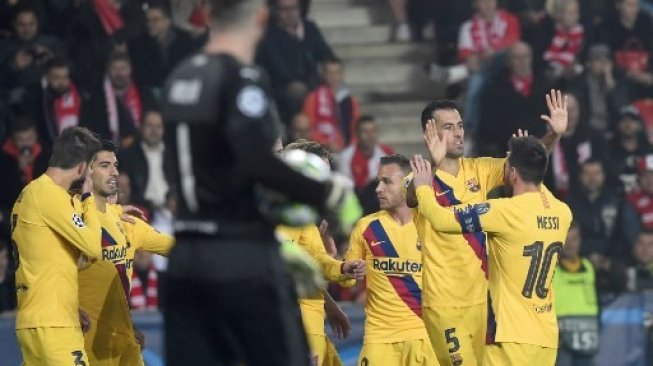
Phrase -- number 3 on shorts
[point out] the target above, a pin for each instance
(78, 358)
(452, 339)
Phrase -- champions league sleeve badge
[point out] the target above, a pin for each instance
(77, 221)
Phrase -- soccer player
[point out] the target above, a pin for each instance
(313, 309)
(50, 229)
(525, 237)
(228, 299)
(104, 285)
(455, 285)
(387, 240)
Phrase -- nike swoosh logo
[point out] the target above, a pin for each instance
(375, 243)
(441, 194)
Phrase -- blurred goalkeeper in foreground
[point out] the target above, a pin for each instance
(228, 299)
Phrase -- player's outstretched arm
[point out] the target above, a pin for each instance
(82, 232)
(463, 219)
(557, 120)
(440, 218)
(145, 237)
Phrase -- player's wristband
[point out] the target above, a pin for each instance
(85, 196)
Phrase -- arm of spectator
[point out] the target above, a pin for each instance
(271, 59)
(323, 49)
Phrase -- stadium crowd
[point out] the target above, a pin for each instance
(103, 63)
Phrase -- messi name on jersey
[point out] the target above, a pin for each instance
(396, 266)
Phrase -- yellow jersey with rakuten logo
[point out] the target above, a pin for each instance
(50, 229)
(454, 273)
(525, 237)
(308, 237)
(104, 285)
(393, 278)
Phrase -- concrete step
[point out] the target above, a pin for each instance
(411, 109)
(382, 71)
(400, 126)
(419, 53)
(347, 16)
(370, 93)
(407, 148)
(357, 35)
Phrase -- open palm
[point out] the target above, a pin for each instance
(558, 117)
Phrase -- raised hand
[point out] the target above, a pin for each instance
(558, 117)
(436, 145)
(520, 133)
(421, 171)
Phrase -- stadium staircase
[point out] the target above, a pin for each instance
(386, 77)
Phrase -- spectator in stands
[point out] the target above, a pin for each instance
(576, 304)
(558, 40)
(99, 28)
(481, 39)
(7, 284)
(510, 101)
(22, 158)
(191, 16)
(116, 110)
(332, 109)
(578, 144)
(149, 164)
(401, 29)
(361, 159)
(599, 90)
(157, 52)
(23, 56)
(628, 146)
(640, 201)
(144, 294)
(291, 51)
(643, 255)
(628, 33)
(300, 128)
(55, 104)
(596, 207)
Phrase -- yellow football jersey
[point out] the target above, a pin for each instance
(50, 229)
(526, 234)
(308, 237)
(454, 274)
(104, 285)
(394, 278)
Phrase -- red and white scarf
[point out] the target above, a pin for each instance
(109, 16)
(132, 100)
(10, 148)
(491, 35)
(66, 109)
(326, 128)
(523, 84)
(149, 299)
(565, 46)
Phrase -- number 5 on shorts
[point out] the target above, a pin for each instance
(451, 338)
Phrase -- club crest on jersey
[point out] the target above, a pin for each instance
(77, 221)
(472, 185)
(252, 102)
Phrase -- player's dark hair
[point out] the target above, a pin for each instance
(529, 157)
(227, 13)
(74, 145)
(364, 119)
(431, 108)
(402, 161)
(311, 147)
(108, 145)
